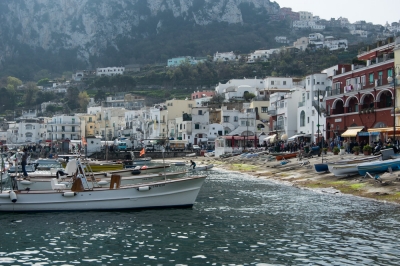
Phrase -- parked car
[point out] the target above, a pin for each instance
(196, 147)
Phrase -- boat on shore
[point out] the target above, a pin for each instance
(180, 192)
(286, 156)
(321, 167)
(378, 166)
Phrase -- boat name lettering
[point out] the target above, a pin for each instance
(161, 185)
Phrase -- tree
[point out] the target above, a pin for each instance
(30, 94)
(248, 96)
(72, 98)
(83, 100)
(43, 82)
(13, 82)
(100, 95)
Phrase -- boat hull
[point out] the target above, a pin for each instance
(378, 166)
(343, 170)
(286, 156)
(171, 193)
(321, 167)
(35, 184)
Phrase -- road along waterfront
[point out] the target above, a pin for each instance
(237, 219)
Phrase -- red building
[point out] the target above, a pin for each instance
(361, 96)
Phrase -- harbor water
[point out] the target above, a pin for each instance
(237, 220)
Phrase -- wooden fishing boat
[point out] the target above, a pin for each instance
(286, 156)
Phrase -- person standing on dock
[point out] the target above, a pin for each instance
(24, 162)
(192, 164)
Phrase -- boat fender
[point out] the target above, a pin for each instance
(103, 183)
(146, 188)
(107, 175)
(144, 167)
(26, 182)
(137, 168)
(69, 194)
(136, 172)
(13, 196)
(5, 195)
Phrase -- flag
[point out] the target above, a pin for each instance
(142, 152)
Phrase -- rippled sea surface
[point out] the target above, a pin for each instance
(237, 220)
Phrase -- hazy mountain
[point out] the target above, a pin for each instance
(70, 34)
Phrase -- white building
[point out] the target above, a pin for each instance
(64, 127)
(315, 37)
(312, 98)
(281, 39)
(256, 83)
(283, 110)
(200, 128)
(305, 15)
(109, 71)
(262, 55)
(335, 44)
(227, 56)
(237, 92)
(360, 33)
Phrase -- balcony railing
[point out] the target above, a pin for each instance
(301, 104)
(271, 112)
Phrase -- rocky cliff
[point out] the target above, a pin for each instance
(90, 27)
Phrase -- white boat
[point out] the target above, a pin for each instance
(180, 192)
(342, 170)
(348, 167)
(202, 167)
(191, 155)
(44, 183)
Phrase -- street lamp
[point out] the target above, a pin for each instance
(318, 99)
(390, 79)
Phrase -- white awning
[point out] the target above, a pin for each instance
(293, 138)
(352, 131)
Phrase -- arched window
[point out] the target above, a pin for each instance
(302, 119)
(28, 135)
(28, 127)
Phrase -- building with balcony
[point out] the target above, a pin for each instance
(283, 112)
(362, 96)
(200, 125)
(64, 127)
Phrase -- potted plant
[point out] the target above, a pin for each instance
(325, 150)
(356, 150)
(335, 150)
(367, 150)
(342, 150)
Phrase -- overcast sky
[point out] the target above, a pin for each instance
(377, 12)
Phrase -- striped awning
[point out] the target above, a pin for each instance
(352, 131)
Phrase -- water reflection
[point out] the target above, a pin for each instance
(236, 220)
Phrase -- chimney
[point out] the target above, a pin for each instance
(343, 70)
(368, 62)
(352, 67)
